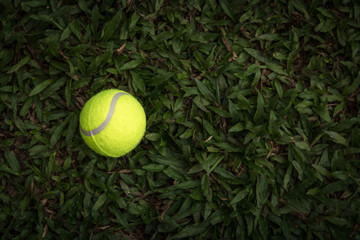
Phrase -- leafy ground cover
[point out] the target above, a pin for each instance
(252, 119)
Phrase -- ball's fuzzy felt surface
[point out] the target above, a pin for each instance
(116, 133)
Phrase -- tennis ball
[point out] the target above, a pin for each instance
(112, 123)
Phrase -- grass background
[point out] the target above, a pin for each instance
(252, 119)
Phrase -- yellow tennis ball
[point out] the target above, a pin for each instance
(112, 123)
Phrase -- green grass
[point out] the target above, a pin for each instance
(252, 119)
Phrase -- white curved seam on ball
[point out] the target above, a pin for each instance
(107, 119)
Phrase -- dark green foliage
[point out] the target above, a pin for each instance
(252, 111)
